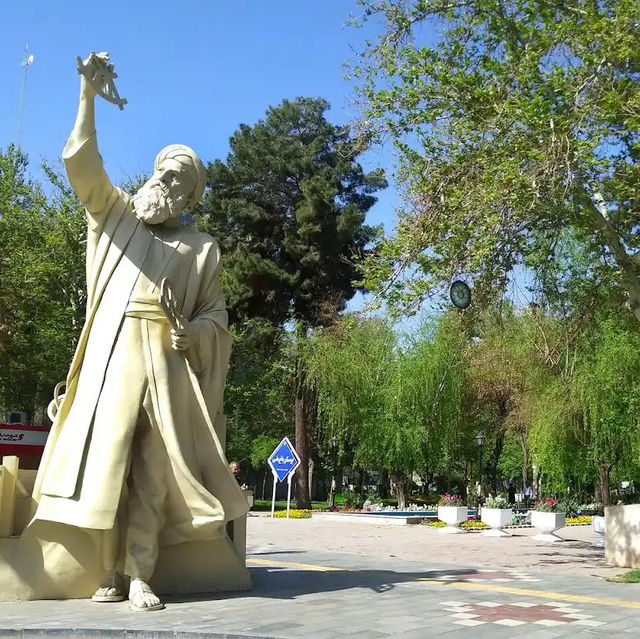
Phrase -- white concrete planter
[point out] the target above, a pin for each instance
(496, 518)
(547, 524)
(453, 516)
(598, 527)
(622, 538)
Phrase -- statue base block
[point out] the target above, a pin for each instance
(52, 561)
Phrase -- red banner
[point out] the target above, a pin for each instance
(19, 439)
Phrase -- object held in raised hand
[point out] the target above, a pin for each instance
(100, 74)
(167, 300)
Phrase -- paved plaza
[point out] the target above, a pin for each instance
(305, 587)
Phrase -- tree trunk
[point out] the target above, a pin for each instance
(312, 466)
(494, 458)
(525, 461)
(604, 471)
(302, 446)
(397, 482)
(384, 484)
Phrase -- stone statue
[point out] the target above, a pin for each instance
(136, 450)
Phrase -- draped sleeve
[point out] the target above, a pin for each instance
(87, 176)
(209, 355)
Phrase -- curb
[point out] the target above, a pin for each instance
(111, 633)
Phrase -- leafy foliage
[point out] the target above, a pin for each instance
(288, 207)
(42, 296)
(403, 410)
(517, 124)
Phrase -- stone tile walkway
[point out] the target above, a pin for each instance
(323, 595)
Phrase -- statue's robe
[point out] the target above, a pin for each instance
(88, 453)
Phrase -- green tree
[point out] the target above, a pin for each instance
(261, 447)
(288, 207)
(517, 125)
(259, 388)
(590, 417)
(42, 297)
(401, 411)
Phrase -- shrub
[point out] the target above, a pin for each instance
(568, 505)
(451, 500)
(547, 505)
(352, 500)
(496, 502)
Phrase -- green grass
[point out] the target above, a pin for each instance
(265, 505)
(631, 577)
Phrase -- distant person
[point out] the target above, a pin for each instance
(511, 493)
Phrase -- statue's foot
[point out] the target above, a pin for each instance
(110, 590)
(142, 598)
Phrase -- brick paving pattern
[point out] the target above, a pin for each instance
(483, 574)
(518, 614)
(327, 595)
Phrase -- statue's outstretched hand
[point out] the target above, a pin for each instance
(92, 70)
(98, 77)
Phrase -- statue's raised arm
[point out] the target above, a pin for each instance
(81, 157)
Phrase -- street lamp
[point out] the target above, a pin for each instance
(334, 454)
(479, 444)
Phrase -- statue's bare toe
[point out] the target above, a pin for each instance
(142, 598)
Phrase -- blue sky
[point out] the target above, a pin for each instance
(191, 71)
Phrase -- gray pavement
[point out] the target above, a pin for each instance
(325, 594)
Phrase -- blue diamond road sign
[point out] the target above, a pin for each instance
(284, 459)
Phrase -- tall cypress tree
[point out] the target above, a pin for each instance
(288, 208)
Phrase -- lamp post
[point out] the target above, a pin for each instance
(334, 454)
(479, 444)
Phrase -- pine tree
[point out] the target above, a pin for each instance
(288, 208)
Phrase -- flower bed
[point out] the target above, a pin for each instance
(293, 514)
(470, 524)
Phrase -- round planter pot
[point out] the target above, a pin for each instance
(547, 524)
(598, 527)
(453, 516)
(496, 518)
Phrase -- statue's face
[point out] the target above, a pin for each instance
(165, 194)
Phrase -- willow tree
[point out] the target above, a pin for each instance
(591, 417)
(516, 121)
(516, 354)
(397, 405)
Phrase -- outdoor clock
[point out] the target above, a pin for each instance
(460, 294)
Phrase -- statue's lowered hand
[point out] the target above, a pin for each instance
(182, 339)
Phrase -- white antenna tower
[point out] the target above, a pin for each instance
(27, 61)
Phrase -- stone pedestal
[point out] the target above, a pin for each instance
(52, 561)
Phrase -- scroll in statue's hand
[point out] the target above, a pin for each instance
(183, 339)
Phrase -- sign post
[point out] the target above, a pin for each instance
(273, 496)
(283, 462)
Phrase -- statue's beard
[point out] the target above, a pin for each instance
(153, 203)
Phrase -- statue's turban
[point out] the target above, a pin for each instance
(189, 159)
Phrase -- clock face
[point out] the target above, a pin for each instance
(460, 294)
